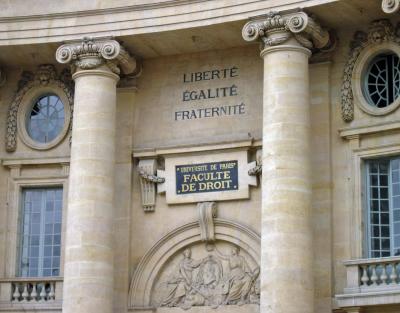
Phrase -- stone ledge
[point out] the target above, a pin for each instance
(153, 152)
(368, 298)
(248, 308)
(349, 132)
(34, 161)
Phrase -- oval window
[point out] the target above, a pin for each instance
(46, 119)
(382, 80)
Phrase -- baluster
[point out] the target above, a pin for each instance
(51, 293)
(393, 274)
(43, 292)
(34, 292)
(374, 277)
(17, 294)
(25, 294)
(364, 278)
(384, 276)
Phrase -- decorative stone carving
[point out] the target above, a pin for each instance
(257, 169)
(147, 169)
(275, 29)
(181, 270)
(390, 6)
(210, 282)
(207, 212)
(380, 31)
(45, 75)
(90, 53)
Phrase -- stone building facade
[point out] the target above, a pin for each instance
(202, 156)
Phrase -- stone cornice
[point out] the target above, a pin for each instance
(275, 29)
(390, 6)
(91, 53)
(70, 21)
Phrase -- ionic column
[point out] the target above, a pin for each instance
(390, 6)
(286, 238)
(88, 268)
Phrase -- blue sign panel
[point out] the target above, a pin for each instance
(206, 177)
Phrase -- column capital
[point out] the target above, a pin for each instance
(275, 28)
(390, 6)
(91, 53)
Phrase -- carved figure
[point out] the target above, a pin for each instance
(182, 284)
(240, 279)
(203, 283)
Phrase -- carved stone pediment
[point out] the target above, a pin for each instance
(380, 32)
(45, 76)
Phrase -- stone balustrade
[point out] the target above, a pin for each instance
(366, 275)
(371, 282)
(30, 290)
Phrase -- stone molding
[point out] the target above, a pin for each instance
(379, 32)
(128, 20)
(155, 259)
(363, 130)
(390, 6)
(275, 29)
(45, 76)
(91, 53)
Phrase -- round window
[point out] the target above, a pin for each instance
(46, 119)
(382, 80)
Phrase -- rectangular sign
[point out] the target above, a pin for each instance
(206, 177)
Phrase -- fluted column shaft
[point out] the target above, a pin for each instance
(88, 266)
(286, 244)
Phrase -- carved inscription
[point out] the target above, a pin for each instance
(207, 177)
(196, 95)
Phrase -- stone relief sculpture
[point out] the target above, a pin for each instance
(379, 31)
(211, 262)
(204, 282)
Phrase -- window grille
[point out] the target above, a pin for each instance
(382, 80)
(46, 119)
